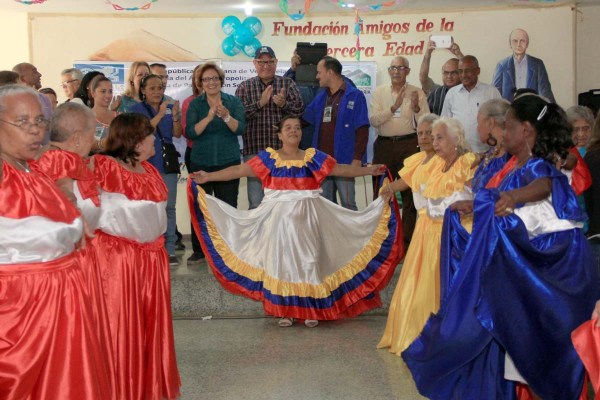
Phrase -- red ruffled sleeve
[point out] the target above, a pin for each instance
(114, 178)
(26, 194)
(582, 178)
(59, 164)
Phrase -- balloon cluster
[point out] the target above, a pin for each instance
(241, 35)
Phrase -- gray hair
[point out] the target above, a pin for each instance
(74, 72)
(429, 118)
(495, 109)
(576, 113)
(456, 131)
(7, 91)
(404, 61)
(68, 118)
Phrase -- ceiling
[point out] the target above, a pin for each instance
(263, 7)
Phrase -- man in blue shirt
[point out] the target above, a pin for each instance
(340, 119)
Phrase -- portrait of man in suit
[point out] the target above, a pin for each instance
(521, 70)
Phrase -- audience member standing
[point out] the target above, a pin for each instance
(266, 98)
(137, 71)
(70, 81)
(30, 76)
(462, 102)
(450, 78)
(395, 110)
(340, 117)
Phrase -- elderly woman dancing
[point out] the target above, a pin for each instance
(524, 282)
(438, 176)
(48, 346)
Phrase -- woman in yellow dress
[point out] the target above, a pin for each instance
(438, 177)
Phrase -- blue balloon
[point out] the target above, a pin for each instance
(242, 36)
(250, 49)
(253, 24)
(229, 47)
(230, 24)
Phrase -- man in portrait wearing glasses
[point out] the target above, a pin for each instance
(395, 109)
(70, 81)
(30, 76)
(521, 70)
(266, 98)
(462, 101)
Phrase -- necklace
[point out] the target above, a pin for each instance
(447, 167)
(24, 166)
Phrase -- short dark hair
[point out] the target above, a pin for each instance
(159, 65)
(126, 131)
(471, 58)
(144, 83)
(8, 77)
(47, 90)
(279, 126)
(332, 64)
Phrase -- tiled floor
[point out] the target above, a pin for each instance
(250, 359)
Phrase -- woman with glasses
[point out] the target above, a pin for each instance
(439, 175)
(163, 116)
(130, 97)
(215, 120)
(49, 347)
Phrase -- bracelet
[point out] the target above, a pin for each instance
(227, 118)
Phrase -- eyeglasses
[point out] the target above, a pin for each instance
(24, 124)
(583, 129)
(424, 133)
(211, 79)
(65, 83)
(397, 69)
(264, 63)
(446, 73)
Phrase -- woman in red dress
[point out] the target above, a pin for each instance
(48, 346)
(134, 263)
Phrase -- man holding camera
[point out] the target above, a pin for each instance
(436, 93)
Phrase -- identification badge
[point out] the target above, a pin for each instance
(350, 105)
(327, 114)
(398, 113)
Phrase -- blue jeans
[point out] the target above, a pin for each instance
(170, 236)
(344, 187)
(255, 189)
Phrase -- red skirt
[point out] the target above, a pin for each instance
(136, 282)
(48, 346)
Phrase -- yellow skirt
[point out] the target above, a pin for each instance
(417, 294)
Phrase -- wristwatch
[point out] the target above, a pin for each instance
(227, 118)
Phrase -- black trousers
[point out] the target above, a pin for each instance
(392, 153)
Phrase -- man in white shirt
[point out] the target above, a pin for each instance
(462, 102)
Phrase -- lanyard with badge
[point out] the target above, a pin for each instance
(330, 102)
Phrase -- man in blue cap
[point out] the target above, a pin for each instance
(266, 98)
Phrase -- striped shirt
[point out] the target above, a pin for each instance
(436, 99)
(260, 132)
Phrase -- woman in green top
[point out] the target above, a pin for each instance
(214, 121)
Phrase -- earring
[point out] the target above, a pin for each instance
(491, 141)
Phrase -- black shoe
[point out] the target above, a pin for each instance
(179, 246)
(173, 261)
(195, 257)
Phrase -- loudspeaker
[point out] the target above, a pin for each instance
(590, 99)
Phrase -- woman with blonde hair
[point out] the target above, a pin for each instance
(137, 71)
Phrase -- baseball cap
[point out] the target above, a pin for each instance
(264, 50)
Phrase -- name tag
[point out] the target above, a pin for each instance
(350, 105)
(327, 114)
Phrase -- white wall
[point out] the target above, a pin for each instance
(588, 48)
(14, 30)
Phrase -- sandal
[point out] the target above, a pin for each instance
(286, 322)
(311, 323)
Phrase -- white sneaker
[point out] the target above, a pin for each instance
(286, 322)
(311, 323)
